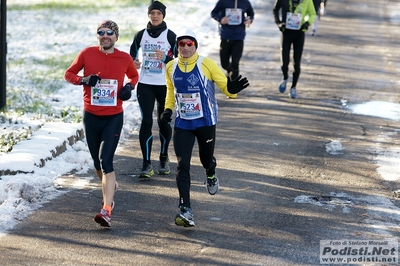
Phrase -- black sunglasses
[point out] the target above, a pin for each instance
(108, 32)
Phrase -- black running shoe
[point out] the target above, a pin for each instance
(212, 184)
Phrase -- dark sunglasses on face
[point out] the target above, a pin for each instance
(108, 32)
(183, 43)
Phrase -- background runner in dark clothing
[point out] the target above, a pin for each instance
(293, 25)
(317, 6)
(233, 16)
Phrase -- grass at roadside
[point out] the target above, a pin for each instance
(46, 78)
(35, 69)
(68, 5)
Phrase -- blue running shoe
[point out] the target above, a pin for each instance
(185, 218)
(293, 93)
(282, 86)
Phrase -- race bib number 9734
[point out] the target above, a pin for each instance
(105, 93)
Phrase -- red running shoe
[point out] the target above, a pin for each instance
(103, 218)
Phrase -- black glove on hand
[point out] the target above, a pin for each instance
(282, 26)
(126, 92)
(237, 84)
(166, 116)
(305, 26)
(90, 80)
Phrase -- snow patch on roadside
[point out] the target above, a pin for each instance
(328, 202)
(387, 159)
(381, 214)
(334, 147)
(378, 109)
(21, 194)
(388, 163)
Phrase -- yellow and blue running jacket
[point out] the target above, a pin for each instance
(191, 86)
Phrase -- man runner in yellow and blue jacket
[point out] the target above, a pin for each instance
(192, 81)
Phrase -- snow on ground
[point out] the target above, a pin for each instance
(378, 109)
(21, 194)
(382, 213)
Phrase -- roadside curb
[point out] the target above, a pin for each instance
(45, 144)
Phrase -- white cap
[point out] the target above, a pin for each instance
(187, 33)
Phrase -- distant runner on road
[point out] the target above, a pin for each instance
(297, 16)
(233, 17)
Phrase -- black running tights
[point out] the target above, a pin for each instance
(289, 37)
(230, 53)
(102, 136)
(147, 95)
(183, 144)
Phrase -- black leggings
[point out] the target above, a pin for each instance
(289, 37)
(183, 145)
(102, 137)
(228, 49)
(147, 95)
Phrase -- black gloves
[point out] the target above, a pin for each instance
(166, 116)
(237, 84)
(305, 26)
(282, 26)
(126, 92)
(90, 80)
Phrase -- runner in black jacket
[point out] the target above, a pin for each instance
(234, 16)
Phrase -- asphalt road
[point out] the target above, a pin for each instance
(271, 151)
